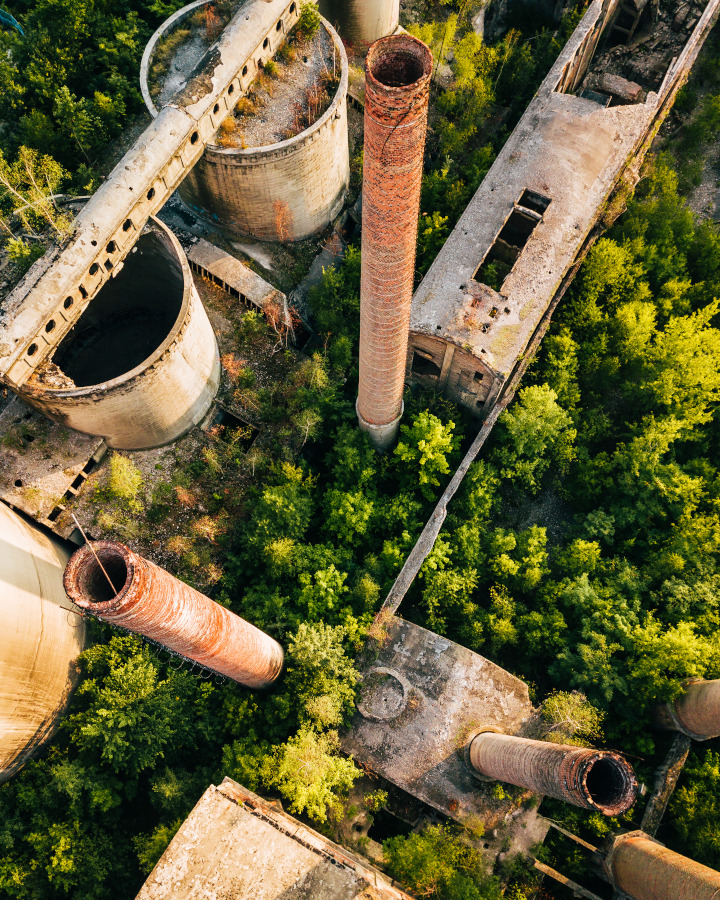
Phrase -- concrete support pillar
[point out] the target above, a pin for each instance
(360, 22)
(643, 869)
(149, 601)
(591, 779)
(695, 713)
(397, 71)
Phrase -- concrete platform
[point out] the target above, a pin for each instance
(42, 464)
(235, 844)
(422, 700)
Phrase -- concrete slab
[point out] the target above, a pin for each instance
(234, 844)
(422, 699)
(42, 463)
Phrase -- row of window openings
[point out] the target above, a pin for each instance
(514, 235)
(424, 364)
(127, 224)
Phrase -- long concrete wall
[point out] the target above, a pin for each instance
(467, 337)
(59, 287)
(41, 637)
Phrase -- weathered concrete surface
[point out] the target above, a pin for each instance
(285, 191)
(568, 149)
(149, 601)
(40, 639)
(666, 779)
(422, 700)
(361, 22)
(232, 275)
(58, 288)
(695, 713)
(644, 869)
(42, 462)
(234, 844)
(397, 75)
(145, 357)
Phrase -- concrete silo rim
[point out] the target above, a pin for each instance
(175, 332)
(150, 50)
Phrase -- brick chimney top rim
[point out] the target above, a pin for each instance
(87, 585)
(397, 63)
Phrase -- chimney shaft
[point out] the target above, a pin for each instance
(591, 779)
(397, 72)
(695, 713)
(645, 870)
(150, 602)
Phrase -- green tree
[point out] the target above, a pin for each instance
(424, 448)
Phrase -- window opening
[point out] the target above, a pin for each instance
(423, 364)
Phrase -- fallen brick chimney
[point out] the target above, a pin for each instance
(147, 600)
(643, 869)
(695, 713)
(397, 73)
(592, 779)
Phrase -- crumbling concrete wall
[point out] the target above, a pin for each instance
(41, 638)
(535, 211)
(360, 22)
(147, 402)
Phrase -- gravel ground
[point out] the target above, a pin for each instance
(281, 101)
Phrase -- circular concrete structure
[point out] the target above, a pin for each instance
(40, 639)
(284, 191)
(141, 366)
(362, 22)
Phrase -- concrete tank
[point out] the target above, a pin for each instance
(141, 366)
(284, 191)
(41, 637)
(361, 22)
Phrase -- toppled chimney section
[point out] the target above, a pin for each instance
(592, 779)
(397, 71)
(695, 713)
(643, 869)
(147, 600)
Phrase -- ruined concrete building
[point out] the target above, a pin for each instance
(695, 713)
(66, 309)
(113, 583)
(397, 76)
(592, 779)
(41, 637)
(282, 191)
(515, 246)
(361, 22)
(235, 844)
(643, 869)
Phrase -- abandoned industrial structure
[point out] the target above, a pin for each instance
(107, 335)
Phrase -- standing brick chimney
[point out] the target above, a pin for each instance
(397, 74)
(695, 713)
(591, 779)
(643, 869)
(150, 602)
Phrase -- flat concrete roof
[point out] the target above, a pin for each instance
(422, 700)
(236, 845)
(567, 148)
(233, 274)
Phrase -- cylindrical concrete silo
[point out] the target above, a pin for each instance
(141, 366)
(591, 779)
(397, 74)
(41, 637)
(362, 22)
(147, 600)
(696, 712)
(644, 869)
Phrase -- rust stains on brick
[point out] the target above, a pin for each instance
(592, 779)
(643, 869)
(398, 70)
(150, 602)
